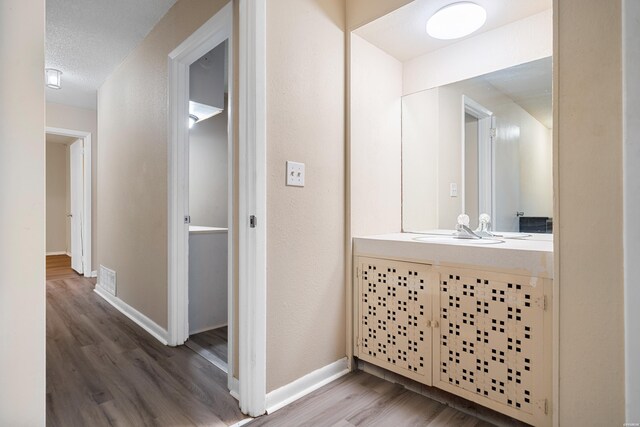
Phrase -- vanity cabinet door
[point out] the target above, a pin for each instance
(493, 343)
(395, 315)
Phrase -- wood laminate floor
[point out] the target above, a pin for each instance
(361, 399)
(214, 341)
(103, 369)
(59, 267)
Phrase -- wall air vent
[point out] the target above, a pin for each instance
(107, 280)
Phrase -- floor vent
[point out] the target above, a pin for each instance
(107, 279)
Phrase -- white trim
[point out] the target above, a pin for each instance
(242, 422)
(252, 201)
(86, 223)
(631, 205)
(234, 388)
(94, 273)
(231, 215)
(56, 253)
(302, 386)
(140, 319)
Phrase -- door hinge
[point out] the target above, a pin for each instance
(542, 302)
(253, 221)
(357, 272)
(543, 405)
(493, 133)
(187, 219)
(358, 342)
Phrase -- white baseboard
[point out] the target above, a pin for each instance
(234, 388)
(302, 386)
(140, 319)
(94, 273)
(55, 253)
(242, 422)
(68, 253)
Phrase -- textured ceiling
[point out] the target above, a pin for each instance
(87, 39)
(402, 33)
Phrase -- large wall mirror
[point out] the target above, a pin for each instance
(482, 145)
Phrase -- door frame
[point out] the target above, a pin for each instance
(486, 177)
(252, 202)
(215, 31)
(87, 268)
(250, 387)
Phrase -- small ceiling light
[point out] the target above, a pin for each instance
(192, 120)
(456, 20)
(53, 78)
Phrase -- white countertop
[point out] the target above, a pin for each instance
(530, 257)
(200, 229)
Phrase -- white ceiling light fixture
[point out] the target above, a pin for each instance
(456, 20)
(53, 78)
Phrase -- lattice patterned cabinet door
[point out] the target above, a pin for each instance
(394, 316)
(491, 340)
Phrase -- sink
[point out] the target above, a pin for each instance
(435, 238)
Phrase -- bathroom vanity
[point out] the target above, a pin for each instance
(469, 318)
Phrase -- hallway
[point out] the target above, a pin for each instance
(102, 369)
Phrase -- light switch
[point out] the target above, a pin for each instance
(295, 174)
(453, 189)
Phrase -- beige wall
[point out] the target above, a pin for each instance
(85, 120)
(132, 177)
(305, 226)
(22, 214)
(360, 12)
(208, 171)
(57, 165)
(420, 143)
(588, 185)
(376, 90)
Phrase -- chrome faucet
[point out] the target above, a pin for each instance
(462, 229)
(484, 226)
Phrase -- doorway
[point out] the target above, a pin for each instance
(68, 239)
(209, 219)
(246, 280)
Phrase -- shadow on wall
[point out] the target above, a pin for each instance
(335, 15)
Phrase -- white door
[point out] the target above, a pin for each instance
(77, 191)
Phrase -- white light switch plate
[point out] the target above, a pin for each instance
(295, 174)
(453, 189)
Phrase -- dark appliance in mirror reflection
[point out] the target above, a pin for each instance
(536, 224)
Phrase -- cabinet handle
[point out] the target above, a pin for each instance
(428, 323)
(434, 324)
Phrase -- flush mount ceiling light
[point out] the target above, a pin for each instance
(53, 78)
(456, 20)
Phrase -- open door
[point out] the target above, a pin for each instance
(77, 192)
